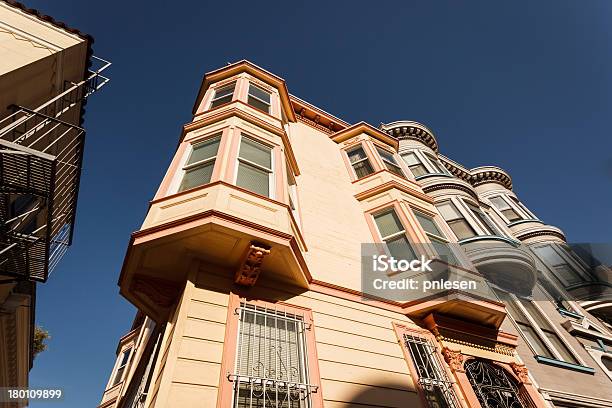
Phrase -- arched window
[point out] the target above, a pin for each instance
(493, 386)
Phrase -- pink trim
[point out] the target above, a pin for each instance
(232, 158)
(171, 172)
(372, 154)
(216, 174)
(280, 176)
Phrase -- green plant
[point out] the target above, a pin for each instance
(40, 337)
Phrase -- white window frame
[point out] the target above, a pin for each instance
(466, 214)
(484, 228)
(540, 333)
(270, 171)
(216, 90)
(512, 205)
(249, 95)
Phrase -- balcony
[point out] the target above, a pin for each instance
(503, 262)
(219, 225)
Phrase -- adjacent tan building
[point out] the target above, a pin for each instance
(44, 79)
(247, 271)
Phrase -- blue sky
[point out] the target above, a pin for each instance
(525, 85)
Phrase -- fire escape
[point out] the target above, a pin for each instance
(41, 154)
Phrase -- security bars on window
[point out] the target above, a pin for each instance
(436, 385)
(272, 360)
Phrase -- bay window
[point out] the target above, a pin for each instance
(562, 269)
(422, 163)
(199, 166)
(254, 166)
(484, 219)
(415, 164)
(122, 362)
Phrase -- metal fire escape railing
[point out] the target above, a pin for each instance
(41, 153)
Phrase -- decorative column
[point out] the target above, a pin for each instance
(455, 360)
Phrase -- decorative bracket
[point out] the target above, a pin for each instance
(250, 268)
(453, 358)
(521, 372)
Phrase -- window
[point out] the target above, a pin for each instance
(254, 167)
(360, 162)
(392, 232)
(536, 329)
(272, 362)
(390, 162)
(258, 98)
(487, 224)
(506, 209)
(438, 168)
(525, 209)
(563, 271)
(456, 221)
(437, 239)
(122, 363)
(415, 164)
(223, 95)
(559, 299)
(292, 190)
(199, 167)
(432, 376)
(607, 362)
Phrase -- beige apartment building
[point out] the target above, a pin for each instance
(248, 278)
(46, 71)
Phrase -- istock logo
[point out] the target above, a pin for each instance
(384, 263)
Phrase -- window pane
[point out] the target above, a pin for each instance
(390, 162)
(256, 103)
(448, 211)
(535, 341)
(550, 256)
(568, 274)
(411, 159)
(462, 229)
(400, 248)
(428, 224)
(259, 93)
(256, 153)
(388, 223)
(607, 362)
(197, 176)
(444, 251)
(535, 314)
(511, 215)
(435, 163)
(253, 179)
(356, 154)
(223, 95)
(560, 346)
(395, 169)
(418, 170)
(363, 168)
(204, 150)
(499, 203)
(488, 225)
